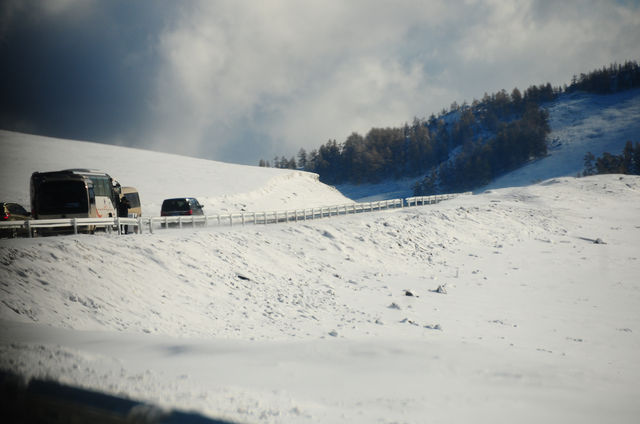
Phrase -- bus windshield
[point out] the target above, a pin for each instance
(63, 197)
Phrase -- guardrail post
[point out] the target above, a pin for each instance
(150, 225)
(28, 224)
(242, 215)
(139, 226)
(117, 223)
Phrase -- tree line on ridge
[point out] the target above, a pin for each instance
(462, 148)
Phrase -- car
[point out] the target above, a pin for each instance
(13, 212)
(181, 206)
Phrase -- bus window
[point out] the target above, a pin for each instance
(101, 186)
(134, 200)
(63, 197)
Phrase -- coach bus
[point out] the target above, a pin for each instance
(74, 193)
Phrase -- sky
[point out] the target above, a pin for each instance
(238, 81)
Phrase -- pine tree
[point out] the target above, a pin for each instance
(302, 158)
(636, 159)
(609, 164)
(516, 98)
(627, 158)
(589, 167)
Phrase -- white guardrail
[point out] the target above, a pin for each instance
(32, 227)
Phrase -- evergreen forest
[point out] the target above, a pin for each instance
(626, 163)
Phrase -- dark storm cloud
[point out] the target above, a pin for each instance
(80, 70)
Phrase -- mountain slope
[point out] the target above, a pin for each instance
(580, 123)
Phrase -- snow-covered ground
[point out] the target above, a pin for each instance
(335, 320)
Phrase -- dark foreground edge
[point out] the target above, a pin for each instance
(43, 401)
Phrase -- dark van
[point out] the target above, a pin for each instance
(181, 206)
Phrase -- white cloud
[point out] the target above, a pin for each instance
(278, 75)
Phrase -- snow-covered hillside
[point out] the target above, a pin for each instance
(220, 186)
(580, 123)
(339, 320)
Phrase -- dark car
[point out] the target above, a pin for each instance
(181, 206)
(13, 212)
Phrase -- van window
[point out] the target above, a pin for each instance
(175, 205)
